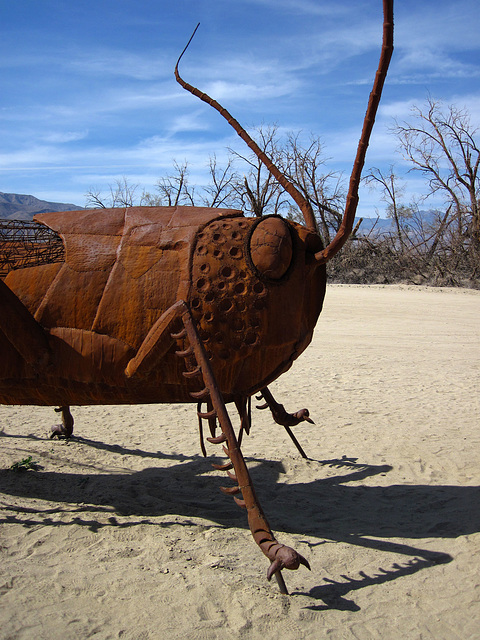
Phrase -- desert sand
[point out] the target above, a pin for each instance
(123, 532)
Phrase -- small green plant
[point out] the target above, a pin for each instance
(27, 464)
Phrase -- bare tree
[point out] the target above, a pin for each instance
(261, 194)
(303, 166)
(258, 192)
(391, 192)
(441, 143)
(121, 194)
(220, 191)
(172, 190)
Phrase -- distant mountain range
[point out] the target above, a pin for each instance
(14, 206)
(379, 225)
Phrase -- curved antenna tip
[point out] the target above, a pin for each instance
(186, 47)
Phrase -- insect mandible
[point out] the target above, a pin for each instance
(175, 304)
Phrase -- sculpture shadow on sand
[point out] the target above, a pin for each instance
(328, 508)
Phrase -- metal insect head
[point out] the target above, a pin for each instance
(172, 304)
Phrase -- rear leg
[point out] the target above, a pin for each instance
(65, 429)
(25, 337)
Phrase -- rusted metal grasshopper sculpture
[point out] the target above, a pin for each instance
(176, 304)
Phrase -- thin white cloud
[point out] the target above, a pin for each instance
(122, 63)
(440, 25)
(100, 62)
(251, 92)
(309, 7)
(435, 42)
(63, 137)
(426, 66)
(193, 121)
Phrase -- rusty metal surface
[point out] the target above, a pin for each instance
(171, 304)
(253, 289)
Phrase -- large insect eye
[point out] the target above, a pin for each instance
(271, 247)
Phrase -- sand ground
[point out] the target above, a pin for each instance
(123, 533)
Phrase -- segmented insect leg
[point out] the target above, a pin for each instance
(279, 555)
(283, 418)
(244, 408)
(185, 350)
(65, 429)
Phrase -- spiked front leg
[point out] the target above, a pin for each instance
(280, 556)
(190, 348)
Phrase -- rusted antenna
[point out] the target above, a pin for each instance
(373, 102)
(352, 197)
(299, 199)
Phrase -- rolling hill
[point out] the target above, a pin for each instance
(14, 206)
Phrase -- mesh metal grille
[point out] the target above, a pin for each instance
(27, 244)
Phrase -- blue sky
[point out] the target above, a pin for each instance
(88, 94)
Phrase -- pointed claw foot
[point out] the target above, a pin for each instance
(285, 558)
(279, 413)
(301, 416)
(59, 431)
